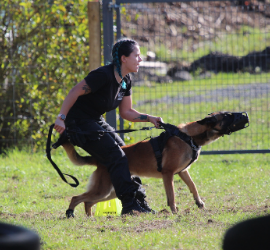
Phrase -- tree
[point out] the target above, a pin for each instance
(43, 53)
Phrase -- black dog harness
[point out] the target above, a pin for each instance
(158, 143)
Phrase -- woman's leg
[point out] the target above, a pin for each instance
(109, 153)
(140, 191)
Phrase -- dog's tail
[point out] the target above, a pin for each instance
(77, 159)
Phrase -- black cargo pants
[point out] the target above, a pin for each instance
(106, 148)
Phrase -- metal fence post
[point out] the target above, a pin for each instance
(108, 43)
(118, 36)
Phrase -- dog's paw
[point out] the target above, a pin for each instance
(70, 213)
(200, 204)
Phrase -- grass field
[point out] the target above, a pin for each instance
(233, 187)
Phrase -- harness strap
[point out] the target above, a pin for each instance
(158, 143)
(157, 151)
(187, 139)
(48, 153)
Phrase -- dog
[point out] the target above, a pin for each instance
(177, 157)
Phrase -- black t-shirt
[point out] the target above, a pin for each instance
(106, 94)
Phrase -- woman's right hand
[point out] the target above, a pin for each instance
(59, 125)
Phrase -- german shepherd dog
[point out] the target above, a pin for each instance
(177, 157)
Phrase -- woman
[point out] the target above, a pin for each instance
(105, 89)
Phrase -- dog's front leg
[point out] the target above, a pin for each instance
(185, 176)
(169, 188)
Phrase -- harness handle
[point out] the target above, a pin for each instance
(48, 153)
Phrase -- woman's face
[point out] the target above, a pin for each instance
(131, 63)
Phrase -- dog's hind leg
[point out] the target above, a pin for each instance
(88, 208)
(99, 188)
(88, 205)
(185, 176)
(169, 188)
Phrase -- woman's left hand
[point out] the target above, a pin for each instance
(155, 120)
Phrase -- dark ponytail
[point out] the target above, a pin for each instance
(122, 47)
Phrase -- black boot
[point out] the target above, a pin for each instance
(142, 202)
(140, 194)
(130, 204)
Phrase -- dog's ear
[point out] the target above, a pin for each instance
(208, 120)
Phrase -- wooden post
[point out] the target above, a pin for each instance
(94, 35)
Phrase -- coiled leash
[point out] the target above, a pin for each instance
(48, 153)
(63, 138)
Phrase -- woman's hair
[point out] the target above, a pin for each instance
(122, 47)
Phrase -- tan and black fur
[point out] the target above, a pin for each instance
(142, 162)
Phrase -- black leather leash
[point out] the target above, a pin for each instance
(102, 132)
(63, 138)
(48, 153)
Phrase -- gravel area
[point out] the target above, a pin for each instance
(247, 91)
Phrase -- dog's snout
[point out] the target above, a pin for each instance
(240, 121)
(232, 122)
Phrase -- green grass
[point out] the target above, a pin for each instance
(232, 186)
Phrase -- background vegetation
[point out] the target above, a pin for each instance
(44, 52)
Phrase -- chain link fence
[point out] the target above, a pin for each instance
(199, 57)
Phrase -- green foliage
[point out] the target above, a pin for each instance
(44, 52)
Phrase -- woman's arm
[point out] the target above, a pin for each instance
(80, 89)
(130, 114)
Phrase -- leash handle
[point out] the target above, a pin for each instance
(161, 124)
(48, 153)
